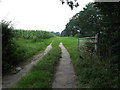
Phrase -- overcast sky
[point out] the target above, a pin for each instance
(49, 15)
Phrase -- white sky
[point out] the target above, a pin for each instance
(49, 15)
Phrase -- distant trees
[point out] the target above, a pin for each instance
(63, 33)
(56, 33)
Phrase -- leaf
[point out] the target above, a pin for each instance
(63, 2)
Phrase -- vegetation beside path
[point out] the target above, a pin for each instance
(26, 48)
(90, 70)
(41, 74)
(19, 46)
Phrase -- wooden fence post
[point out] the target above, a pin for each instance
(97, 44)
(78, 43)
(96, 41)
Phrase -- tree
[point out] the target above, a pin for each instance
(8, 46)
(109, 42)
(101, 18)
(70, 3)
(56, 33)
(63, 33)
(86, 21)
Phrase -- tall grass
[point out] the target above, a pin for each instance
(26, 49)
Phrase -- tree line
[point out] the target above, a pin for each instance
(102, 19)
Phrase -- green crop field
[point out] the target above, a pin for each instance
(29, 34)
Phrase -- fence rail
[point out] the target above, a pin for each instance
(93, 40)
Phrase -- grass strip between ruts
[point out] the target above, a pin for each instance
(41, 74)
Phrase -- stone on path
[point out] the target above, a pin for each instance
(65, 75)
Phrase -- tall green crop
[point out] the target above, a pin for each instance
(28, 34)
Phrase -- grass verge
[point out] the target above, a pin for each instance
(24, 50)
(27, 48)
(41, 74)
(90, 70)
(56, 41)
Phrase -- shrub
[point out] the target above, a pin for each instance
(8, 46)
(78, 35)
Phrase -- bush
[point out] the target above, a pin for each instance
(94, 72)
(78, 35)
(90, 46)
(8, 46)
(36, 39)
